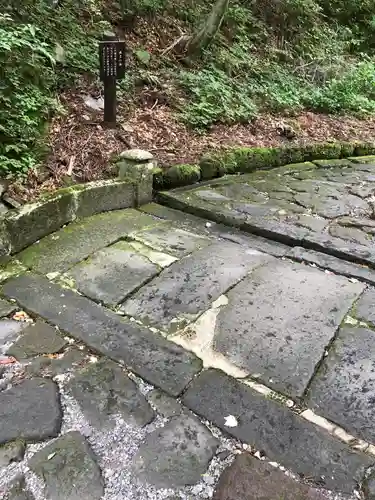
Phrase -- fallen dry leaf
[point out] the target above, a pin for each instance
(21, 316)
(7, 360)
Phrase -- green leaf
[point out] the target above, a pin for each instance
(143, 56)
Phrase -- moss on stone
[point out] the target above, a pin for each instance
(230, 163)
(364, 149)
(247, 160)
(181, 175)
(322, 151)
(210, 164)
(239, 160)
(44, 197)
(347, 149)
(363, 159)
(12, 269)
(343, 162)
(292, 154)
(250, 159)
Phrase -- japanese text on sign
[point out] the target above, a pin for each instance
(112, 59)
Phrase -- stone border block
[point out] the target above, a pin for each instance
(20, 228)
(244, 160)
(177, 175)
(103, 196)
(33, 221)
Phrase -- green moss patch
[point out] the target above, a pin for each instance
(363, 159)
(246, 160)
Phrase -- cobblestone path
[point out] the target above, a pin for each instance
(150, 354)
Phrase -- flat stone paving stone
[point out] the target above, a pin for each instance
(165, 405)
(176, 454)
(189, 286)
(44, 365)
(68, 467)
(212, 229)
(30, 411)
(251, 479)
(342, 249)
(280, 319)
(103, 390)
(148, 354)
(211, 194)
(344, 388)
(282, 435)
(61, 250)
(339, 266)
(6, 308)
(365, 307)
(175, 241)
(38, 338)
(9, 331)
(112, 274)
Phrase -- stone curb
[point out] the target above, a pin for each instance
(22, 227)
(246, 160)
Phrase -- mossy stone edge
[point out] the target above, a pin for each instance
(22, 227)
(245, 160)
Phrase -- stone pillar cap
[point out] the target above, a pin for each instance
(137, 155)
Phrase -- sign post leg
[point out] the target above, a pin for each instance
(110, 102)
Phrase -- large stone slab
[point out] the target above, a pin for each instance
(282, 435)
(189, 286)
(251, 479)
(60, 251)
(38, 338)
(112, 274)
(149, 355)
(6, 308)
(30, 411)
(165, 405)
(69, 469)
(339, 266)
(201, 226)
(176, 454)
(366, 306)
(175, 241)
(280, 319)
(103, 390)
(344, 389)
(51, 366)
(9, 331)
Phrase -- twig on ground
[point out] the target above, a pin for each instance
(155, 104)
(173, 44)
(71, 165)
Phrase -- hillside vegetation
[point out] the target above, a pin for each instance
(269, 55)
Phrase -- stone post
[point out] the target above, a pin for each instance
(139, 166)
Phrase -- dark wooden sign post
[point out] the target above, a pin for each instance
(112, 68)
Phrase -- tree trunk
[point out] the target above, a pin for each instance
(206, 34)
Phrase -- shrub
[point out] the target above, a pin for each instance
(41, 49)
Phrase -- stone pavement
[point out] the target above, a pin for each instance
(326, 205)
(150, 354)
